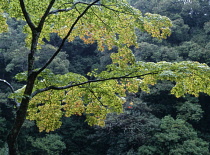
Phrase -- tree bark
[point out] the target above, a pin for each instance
(22, 111)
(20, 117)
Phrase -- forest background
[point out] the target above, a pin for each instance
(154, 123)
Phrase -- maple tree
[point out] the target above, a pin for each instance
(47, 97)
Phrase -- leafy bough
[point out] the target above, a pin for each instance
(55, 96)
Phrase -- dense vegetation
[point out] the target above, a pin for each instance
(154, 123)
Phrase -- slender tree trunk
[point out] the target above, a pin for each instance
(20, 117)
(22, 111)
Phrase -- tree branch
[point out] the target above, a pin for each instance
(41, 23)
(86, 82)
(12, 89)
(74, 4)
(71, 8)
(66, 9)
(26, 15)
(66, 37)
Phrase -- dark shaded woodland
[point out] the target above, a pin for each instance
(152, 124)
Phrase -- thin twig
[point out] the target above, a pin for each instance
(67, 9)
(101, 20)
(96, 97)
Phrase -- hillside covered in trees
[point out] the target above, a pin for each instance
(155, 123)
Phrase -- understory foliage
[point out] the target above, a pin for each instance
(175, 137)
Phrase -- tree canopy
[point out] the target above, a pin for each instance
(46, 97)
